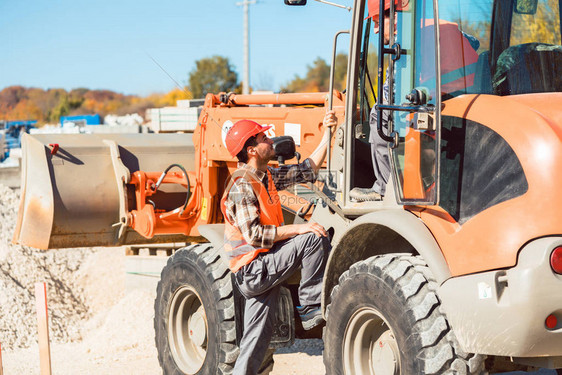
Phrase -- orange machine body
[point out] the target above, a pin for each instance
(488, 240)
(146, 219)
(492, 238)
(475, 245)
(300, 116)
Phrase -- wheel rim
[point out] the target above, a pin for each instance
(369, 345)
(187, 330)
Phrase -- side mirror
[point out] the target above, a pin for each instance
(295, 2)
(285, 149)
(526, 6)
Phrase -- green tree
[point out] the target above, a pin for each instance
(76, 98)
(212, 75)
(340, 74)
(61, 109)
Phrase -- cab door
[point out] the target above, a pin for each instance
(414, 97)
(398, 82)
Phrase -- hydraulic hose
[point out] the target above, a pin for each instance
(186, 177)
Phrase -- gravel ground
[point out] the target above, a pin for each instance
(96, 325)
(117, 337)
(20, 268)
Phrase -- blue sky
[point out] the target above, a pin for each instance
(105, 44)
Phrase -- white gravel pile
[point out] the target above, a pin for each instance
(20, 268)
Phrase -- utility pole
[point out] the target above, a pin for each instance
(246, 81)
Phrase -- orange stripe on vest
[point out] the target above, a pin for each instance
(238, 251)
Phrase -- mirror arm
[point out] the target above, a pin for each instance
(334, 4)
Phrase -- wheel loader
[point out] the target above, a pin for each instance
(457, 270)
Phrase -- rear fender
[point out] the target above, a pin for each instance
(214, 233)
(382, 232)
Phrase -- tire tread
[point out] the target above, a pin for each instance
(411, 279)
(207, 259)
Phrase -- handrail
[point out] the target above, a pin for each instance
(317, 98)
(331, 98)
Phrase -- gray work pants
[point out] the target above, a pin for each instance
(381, 165)
(379, 147)
(379, 152)
(260, 281)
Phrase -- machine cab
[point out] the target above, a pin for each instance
(485, 48)
(398, 82)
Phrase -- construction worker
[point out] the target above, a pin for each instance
(461, 49)
(379, 147)
(262, 252)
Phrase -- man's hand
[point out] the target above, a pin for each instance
(330, 119)
(319, 154)
(288, 231)
(315, 228)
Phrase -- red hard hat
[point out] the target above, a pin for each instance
(374, 6)
(239, 134)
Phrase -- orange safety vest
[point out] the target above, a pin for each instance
(238, 251)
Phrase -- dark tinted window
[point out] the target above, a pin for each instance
(478, 169)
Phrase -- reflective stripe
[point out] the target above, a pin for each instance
(238, 251)
(240, 261)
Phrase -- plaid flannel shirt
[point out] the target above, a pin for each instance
(242, 205)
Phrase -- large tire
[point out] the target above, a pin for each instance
(194, 318)
(384, 318)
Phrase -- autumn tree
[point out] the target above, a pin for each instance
(174, 95)
(317, 78)
(212, 75)
(24, 110)
(10, 97)
(47, 106)
(543, 26)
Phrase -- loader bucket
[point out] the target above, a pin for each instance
(71, 192)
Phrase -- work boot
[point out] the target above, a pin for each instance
(364, 194)
(267, 364)
(311, 316)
